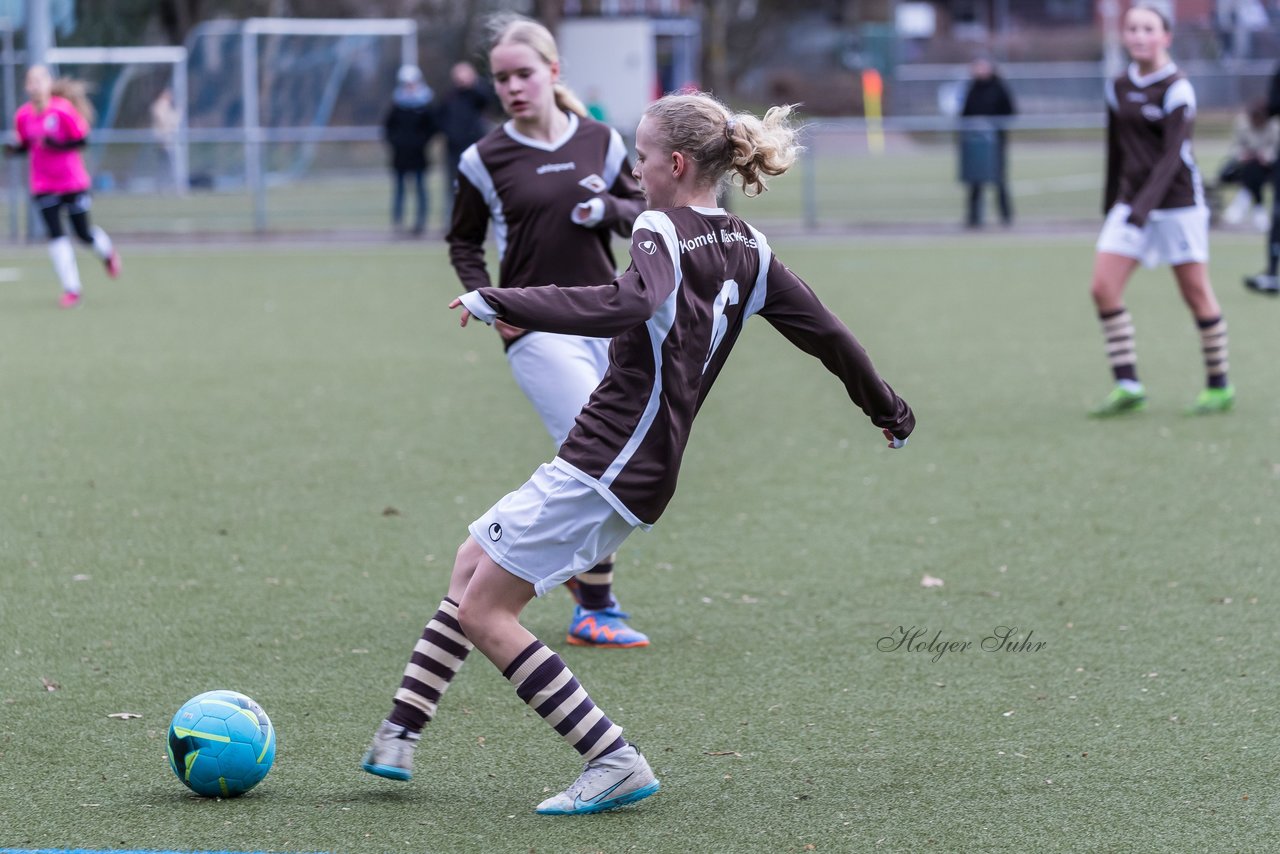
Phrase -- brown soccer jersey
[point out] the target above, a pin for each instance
(696, 275)
(527, 190)
(1150, 165)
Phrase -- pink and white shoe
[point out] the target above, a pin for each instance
(69, 300)
(113, 264)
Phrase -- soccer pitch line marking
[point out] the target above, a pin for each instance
(112, 851)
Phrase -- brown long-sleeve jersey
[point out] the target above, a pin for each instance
(696, 275)
(1150, 165)
(527, 190)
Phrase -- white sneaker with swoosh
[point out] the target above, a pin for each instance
(623, 777)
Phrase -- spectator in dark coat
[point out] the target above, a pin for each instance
(982, 143)
(461, 114)
(1267, 282)
(408, 128)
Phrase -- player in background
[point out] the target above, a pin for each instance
(1266, 281)
(697, 274)
(51, 128)
(1156, 211)
(554, 185)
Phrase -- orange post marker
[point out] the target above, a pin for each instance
(872, 107)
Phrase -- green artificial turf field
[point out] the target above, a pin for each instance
(248, 469)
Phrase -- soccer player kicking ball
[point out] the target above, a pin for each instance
(697, 274)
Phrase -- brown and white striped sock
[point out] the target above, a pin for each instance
(436, 658)
(1213, 344)
(1117, 329)
(595, 587)
(544, 682)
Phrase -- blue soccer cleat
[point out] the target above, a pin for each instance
(605, 628)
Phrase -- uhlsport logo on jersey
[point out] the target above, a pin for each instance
(594, 183)
(648, 247)
(495, 532)
(546, 168)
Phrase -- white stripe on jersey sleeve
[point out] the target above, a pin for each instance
(1181, 94)
(761, 291)
(659, 326)
(1109, 89)
(614, 158)
(473, 168)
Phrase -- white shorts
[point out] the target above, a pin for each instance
(550, 529)
(558, 373)
(1170, 237)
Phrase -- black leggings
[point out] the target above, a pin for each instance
(77, 205)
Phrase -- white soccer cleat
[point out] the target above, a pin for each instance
(623, 777)
(1262, 218)
(391, 754)
(1235, 212)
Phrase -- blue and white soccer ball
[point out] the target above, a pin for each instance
(221, 744)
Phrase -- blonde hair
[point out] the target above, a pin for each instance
(511, 28)
(77, 92)
(720, 141)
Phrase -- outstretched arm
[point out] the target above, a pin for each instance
(599, 311)
(795, 311)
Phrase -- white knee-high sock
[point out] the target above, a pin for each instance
(63, 255)
(102, 245)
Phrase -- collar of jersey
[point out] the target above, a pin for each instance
(707, 211)
(510, 128)
(1154, 77)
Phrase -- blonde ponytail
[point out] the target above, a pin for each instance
(566, 100)
(719, 141)
(77, 93)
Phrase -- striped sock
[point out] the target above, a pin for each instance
(1117, 329)
(544, 682)
(436, 658)
(1213, 343)
(595, 586)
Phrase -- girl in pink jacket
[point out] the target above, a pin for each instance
(51, 128)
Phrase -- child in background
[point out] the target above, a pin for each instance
(52, 127)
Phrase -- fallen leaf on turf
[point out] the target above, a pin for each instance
(390, 511)
(124, 716)
(930, 581)
(721, 753)
(49, 684)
